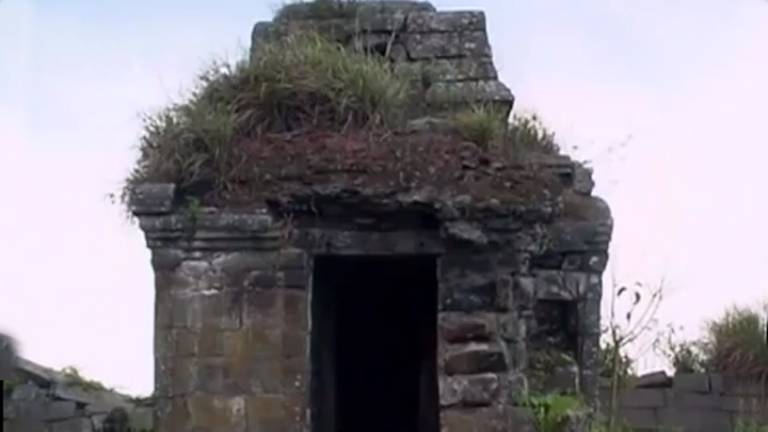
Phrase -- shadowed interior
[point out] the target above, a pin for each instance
(374, 344)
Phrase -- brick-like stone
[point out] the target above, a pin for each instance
(450, 21)
(691, 383)
(475, 359)
(469, 391)
(696, 419)
(214, 309)
(81, 424)
(658, 379)
(59, 410)
(447, 45)
(457, 327)
(491, 419)
(267, 413)
(643, 398)
(640, 418)
(696, 400)
(217, 413)
(152, 198)
(296, 311)
(458, 69)
(262, 309)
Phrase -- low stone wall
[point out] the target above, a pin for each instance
(692, 402)
(43, 400)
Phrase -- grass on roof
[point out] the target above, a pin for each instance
(318, 9)
(294, 84)
(298, 82)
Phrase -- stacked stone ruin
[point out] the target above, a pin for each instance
(237, 328)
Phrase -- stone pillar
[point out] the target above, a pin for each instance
(231, 322)
(479, 330)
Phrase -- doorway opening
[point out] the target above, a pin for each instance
(374, 344)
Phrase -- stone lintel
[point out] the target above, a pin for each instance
(343, 242)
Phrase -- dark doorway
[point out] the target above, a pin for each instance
(374, 330)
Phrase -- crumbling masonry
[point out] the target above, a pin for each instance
(338, 308)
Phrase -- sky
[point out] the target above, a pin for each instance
(664, 98)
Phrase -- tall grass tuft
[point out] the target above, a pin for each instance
(736, 342)
(481, 124)
(299, 82)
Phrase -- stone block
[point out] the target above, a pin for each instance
(217, 413)
(457, 327)
(295, 344)
(152, 198)
(172, 414)
(449, 21)
(691, 383)
(296, 311)
(59, 410)
(455, 69)
(215, 309)
(700, 420)
(267, 413)
(643, 398)
(262, 309)
(167, 259)
(213, 342)
(453, 94)
(469, 391)
(658, 379)
(176, 342)
(640, 418)
(472, 44)
(515, 388)
(695, 400)
(475, 359)
(72, 425)
(487, 419)
(469, 295)
(716, 385)
(294, 372)
(96, 400)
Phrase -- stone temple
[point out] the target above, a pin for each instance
(335, 309)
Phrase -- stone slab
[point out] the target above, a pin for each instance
(445, 21)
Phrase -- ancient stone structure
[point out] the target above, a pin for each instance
(38, 399)
(693, 402)
(334, 306)
(452, 46)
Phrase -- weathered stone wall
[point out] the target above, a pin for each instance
(451, 46)
(232, 314)
(693, 402)
(43, 400)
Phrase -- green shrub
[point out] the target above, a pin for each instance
(482, 124)
(298, 82)
(685, 356)
(736, 342)
(527, 134)
(551, 412)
